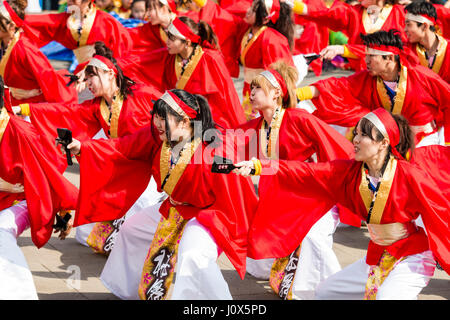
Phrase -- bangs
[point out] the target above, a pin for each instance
(90, 71)
(260, 82)
(161, 108)
(367, 127)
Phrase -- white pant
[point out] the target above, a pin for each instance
(317, 260)
(123, 269)
(404, 282)
(16, 281)
(198, 276)
(148, 198)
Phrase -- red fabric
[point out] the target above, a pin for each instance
(85, 120)
(24, 160)
(53, 27)
(28, 68)
(301, 135)
(146, 38)
(443, 15)
(222, 203)
(348, 19)
(343, 101)
(301, 193)
(210, 79)
(238, 8)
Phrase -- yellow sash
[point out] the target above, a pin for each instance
(275, 126)
(399, 96)
(159, 265)
(189, 69)
(177, 171)
(370, 27)
(440, 55)
(82, 37)
(111, 117)
(6, 55)
(378, 274)
(383, 191)
(4, 119)
(246, 44)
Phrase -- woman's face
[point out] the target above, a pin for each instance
(175, 45)
(250, 16)
(366, 148)
(368, 3)
(100, 84)
(178, 130)
(260, 100)
(138, 10)
(158, 14)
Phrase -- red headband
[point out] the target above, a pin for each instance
(275, 11)
(388, 127)
(279, 80)
(185, 30)
(383, 47)
(108, 63)
(14, 17)
(185, 109)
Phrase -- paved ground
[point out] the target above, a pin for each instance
(57, 266)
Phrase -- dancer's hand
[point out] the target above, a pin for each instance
(245, 168)
(332, 51)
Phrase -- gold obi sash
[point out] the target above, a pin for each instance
(251, 73)
(387, 234)
(21, 94)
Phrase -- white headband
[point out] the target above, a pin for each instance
(99, 64)
(378, 52)
(164, 2)
(4, 12)
(268, 4)
(419, 19)
(173, 30)
(173, 104)
(271, 78)
(372, 117)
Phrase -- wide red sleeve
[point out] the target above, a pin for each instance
(341, 101)
(47, 27)
(443, 15)
(275, 47)
(79, 118)
(47, 191)
(113, 174)
(52, 83)
(293, 196)
(434, 207)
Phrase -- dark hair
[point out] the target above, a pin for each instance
(406, 142)
(202, 29)
(422, 7)
(284, 24)
(123, 82)
(19, 7)
(202, 122)
(136, 1)
(387, 38)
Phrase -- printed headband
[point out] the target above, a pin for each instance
(171, 4)
(178, 105)
(273, 9)
(422, 18)
(277, 81)
(179, 29)
(103, 63)
(385, 123)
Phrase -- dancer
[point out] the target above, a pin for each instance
(381, 187)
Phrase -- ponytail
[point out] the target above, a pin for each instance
(207, 36)
(407, 138)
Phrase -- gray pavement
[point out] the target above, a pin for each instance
(65, 269)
